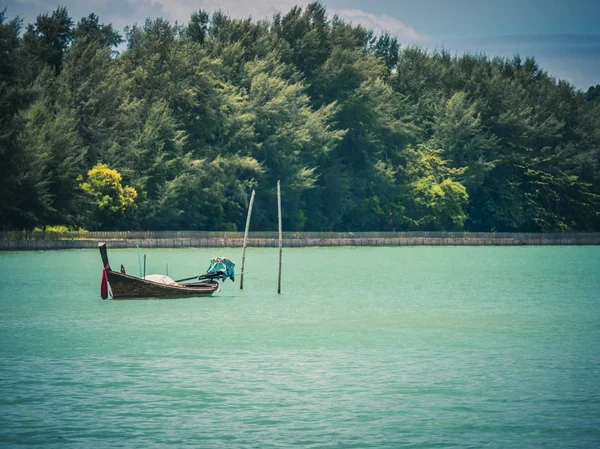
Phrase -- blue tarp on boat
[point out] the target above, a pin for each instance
(222, 266)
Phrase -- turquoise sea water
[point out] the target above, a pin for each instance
(365, 348)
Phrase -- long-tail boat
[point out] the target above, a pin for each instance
(125, 286)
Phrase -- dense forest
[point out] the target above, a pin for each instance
(174, 131)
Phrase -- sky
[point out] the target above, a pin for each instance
(563, 35)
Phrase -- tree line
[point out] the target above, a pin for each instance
(174, 131)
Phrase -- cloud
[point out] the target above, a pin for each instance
(181, 10)
(383, 23)
(123, 12)
(259, 9)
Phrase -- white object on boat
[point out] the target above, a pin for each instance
(160, 279)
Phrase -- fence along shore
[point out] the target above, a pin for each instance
(10, 241)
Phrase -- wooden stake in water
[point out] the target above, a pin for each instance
(280, 235)
(139, 260)
(144, 267)
(246, 239)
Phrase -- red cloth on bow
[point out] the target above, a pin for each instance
(104, 283)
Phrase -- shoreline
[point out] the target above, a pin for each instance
(297, 240)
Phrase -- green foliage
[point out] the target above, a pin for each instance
(363, 135)
(198, 26)
(90, 30)
(208, 195)
(47, 40)
(19, 189)
(459, 131)
(593, 94)
(50, 137)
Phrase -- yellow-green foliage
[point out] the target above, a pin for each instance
(104, 184)
(439, 199)
(61, 229)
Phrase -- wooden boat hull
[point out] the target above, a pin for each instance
(124, 286)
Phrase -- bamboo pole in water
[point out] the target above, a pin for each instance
(139, 260)
(280, 235)
(246, 239)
